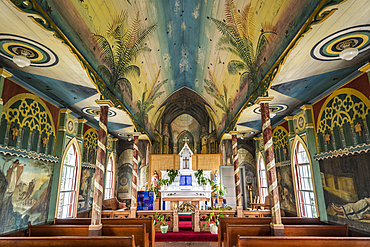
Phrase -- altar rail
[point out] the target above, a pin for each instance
(115, 214)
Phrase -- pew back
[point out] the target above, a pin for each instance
(257, 241)
(316, 230)
(139, 231)
(68, 241)
(56, 230)
(232, 232)
(112, 221)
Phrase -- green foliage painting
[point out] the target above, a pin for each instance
(119, 47)
(238, 37)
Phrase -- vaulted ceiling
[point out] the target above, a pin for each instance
(207, 58)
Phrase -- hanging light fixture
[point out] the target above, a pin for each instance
(348, 49)
(21, 59)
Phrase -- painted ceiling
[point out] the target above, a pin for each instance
(161, 59)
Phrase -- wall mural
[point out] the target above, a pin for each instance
(286, 188)
(346, 186)
(85, 195)
(124, 165)
(227, 153)
(25, 187)
(281, 145)
(90, 144)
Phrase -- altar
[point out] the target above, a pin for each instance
(185, 186)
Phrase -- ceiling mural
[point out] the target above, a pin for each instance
(157, 60)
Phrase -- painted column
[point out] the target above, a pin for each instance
(95, 229)
(3, 74)
(276, 226)
(239, 206)
(134, 174)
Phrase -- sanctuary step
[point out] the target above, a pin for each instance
(185, 236)
(184, 222)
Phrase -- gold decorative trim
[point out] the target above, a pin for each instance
(306, 107)
(106, 102)
(365, 68)
(62, 128)
(65, 111)
(233, 132)
(287, 118)
(4, 73)
(82, 120)
(136, 134)
(261, 100)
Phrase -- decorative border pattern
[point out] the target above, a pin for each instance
(364, 148)
(25, 154)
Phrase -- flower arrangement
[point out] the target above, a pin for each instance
(172, 174)
(155, 189)
(212, 219)
(200, 177)
(162, 219)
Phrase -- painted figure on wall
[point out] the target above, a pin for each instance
(359, 210)
(13, 174)
(286, 189)
(155, 178)
(25, 190)
(85, 197)
(216, 177)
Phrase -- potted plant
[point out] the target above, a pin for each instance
(164, 182)
(172, 174)
(212, 220)
(201, 179)
(163, 220)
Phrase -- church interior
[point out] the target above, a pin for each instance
(224, 122)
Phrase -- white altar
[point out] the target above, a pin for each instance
(182, 188)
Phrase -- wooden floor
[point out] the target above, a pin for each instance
(184, 244)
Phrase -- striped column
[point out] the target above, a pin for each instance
(134, 171)
(236, 168)
(95, 229)
(270, 164)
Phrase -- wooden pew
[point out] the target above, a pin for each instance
(232, 231)
(316, 230)
(261, 221)
(68, 241)
(258, 241)
(56, 230)
(113, 221)
(139, 231)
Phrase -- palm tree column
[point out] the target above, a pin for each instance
(277, 227)
(95, 229)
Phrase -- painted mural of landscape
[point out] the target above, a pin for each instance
(25, 186)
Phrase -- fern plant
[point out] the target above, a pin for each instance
(237, 31)
(119, 47)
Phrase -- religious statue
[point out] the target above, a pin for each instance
(216, 178)
(155, 179)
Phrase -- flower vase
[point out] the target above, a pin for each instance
(165, 187)
(204, 187)
(213, 228)
(164, 229)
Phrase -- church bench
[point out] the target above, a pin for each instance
(316, 230)
(261, 221)
(257, 241)
(112, 221)
(68, 241)
(58, 230)
(232, 231)
(139, 231)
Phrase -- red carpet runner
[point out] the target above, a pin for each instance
(185, 236)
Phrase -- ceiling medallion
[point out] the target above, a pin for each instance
(94, 112)
(274, 109)
(342, 43)
(37, 54)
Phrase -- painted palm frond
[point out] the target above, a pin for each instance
(238, 38)
(119, 48)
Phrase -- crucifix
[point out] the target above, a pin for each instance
(358, 128)
(327, 138)
(15, 131)
(186, 163)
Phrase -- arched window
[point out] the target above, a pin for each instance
(109, 179)
(304, 184)
(68, 183)
(262, 181)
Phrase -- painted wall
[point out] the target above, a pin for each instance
(286, 188)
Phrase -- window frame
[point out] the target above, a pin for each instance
(73, 187)
(110, 161)
(263, 190)
(297, 169)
